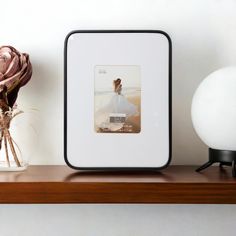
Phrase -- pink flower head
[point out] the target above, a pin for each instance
(15, 72)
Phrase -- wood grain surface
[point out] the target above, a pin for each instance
(60, 184)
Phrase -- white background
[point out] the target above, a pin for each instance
(203, 35)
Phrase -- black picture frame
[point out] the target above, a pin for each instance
(170, 102)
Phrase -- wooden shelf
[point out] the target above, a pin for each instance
(60, 184)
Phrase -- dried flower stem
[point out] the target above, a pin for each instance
(6, 149)
(5, 136)
(12, 148)
(1, 136)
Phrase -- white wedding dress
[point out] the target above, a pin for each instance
(118, 104)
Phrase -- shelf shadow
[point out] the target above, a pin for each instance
(118, 174)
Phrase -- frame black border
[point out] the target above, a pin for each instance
(170, 101)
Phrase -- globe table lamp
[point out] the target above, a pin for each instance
(214, 117)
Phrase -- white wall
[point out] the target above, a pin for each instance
(117, 220)
(203, 35)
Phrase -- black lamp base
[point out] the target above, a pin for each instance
(224, 157)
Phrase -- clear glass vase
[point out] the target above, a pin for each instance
(13, 135)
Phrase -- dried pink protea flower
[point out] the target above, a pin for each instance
(15, 72)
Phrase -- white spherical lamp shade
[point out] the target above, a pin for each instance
(214, 109)
(214, 117)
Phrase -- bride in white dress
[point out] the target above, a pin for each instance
(117, 105)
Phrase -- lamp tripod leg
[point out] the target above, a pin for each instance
(204, 166)
(225, 164)
(233, 168)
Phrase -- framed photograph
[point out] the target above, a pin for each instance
(117, 99)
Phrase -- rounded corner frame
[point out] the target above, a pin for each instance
(169, 93)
